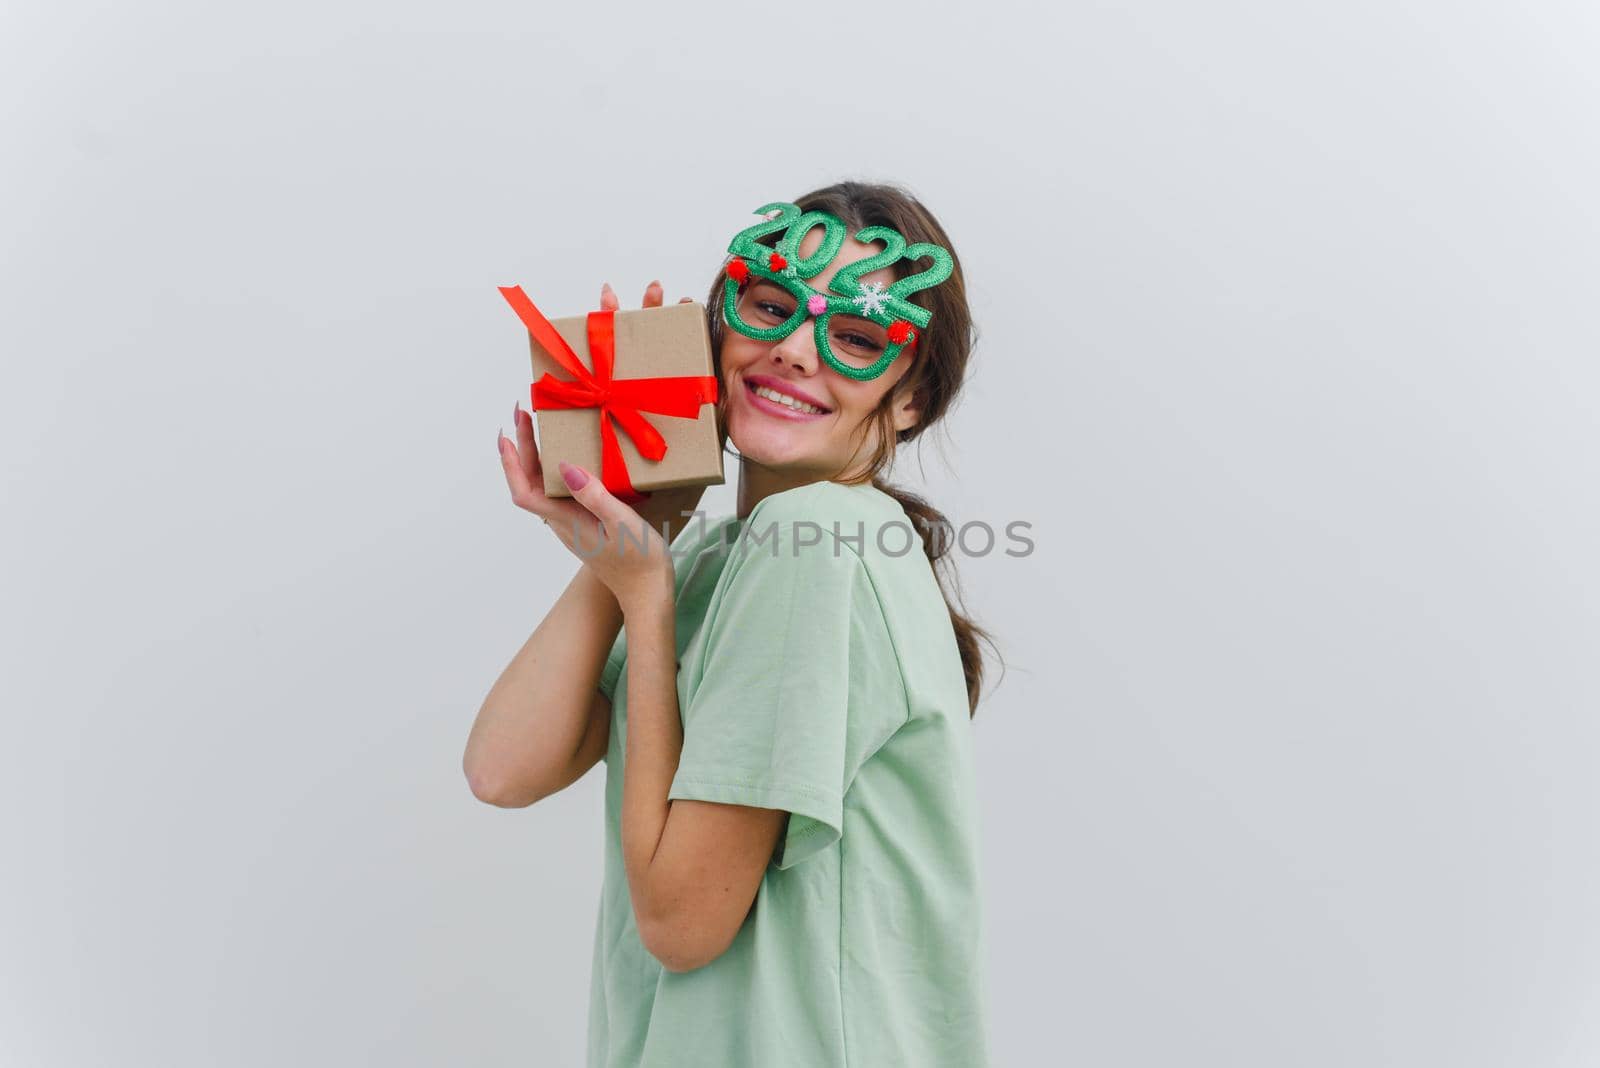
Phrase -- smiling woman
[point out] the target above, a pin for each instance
(783, 703)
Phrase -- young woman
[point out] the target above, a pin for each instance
(783, 700)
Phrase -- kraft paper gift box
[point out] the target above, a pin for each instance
(629, 396)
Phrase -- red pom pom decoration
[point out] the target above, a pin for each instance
(776, 262)
(901, 332)
(739, 271)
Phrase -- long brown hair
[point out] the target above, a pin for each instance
(936, 376)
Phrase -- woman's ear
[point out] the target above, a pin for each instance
(908, 404)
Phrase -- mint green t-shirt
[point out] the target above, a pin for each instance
(819, 676)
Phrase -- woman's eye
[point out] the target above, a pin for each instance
(777, 311)
(856, 341)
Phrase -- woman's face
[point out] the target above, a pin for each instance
(775, 434)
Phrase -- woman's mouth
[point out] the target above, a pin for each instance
(776, 402)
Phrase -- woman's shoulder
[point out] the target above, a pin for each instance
(830, 526)
(851, 515)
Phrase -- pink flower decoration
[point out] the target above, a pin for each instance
(817, 304)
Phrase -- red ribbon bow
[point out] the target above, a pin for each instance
(622, 402)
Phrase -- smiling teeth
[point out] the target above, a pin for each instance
(783, 398)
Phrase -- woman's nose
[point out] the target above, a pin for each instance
(799, 348)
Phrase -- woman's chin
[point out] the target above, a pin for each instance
(771, 446)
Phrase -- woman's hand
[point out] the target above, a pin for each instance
(591, 524)
(628, 555)
(525, 478)
(615, 542)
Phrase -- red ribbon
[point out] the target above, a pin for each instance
(623, 402)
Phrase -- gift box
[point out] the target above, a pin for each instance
(629, 395)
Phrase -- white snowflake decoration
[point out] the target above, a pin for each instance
(872, 298)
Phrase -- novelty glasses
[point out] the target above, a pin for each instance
(860, 327)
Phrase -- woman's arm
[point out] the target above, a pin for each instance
(545, 722)
(693, 867)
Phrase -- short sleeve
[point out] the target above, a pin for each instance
(615, 661)
(800, 684)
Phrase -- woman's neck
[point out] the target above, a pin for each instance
(757, 483)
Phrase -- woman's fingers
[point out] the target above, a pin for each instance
(527, 449)
(516, 475)
(654, 296)
(528, 494)
(570, 519)
(616, 516)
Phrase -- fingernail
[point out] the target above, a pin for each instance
(515, 408)
(499, 439)
(654, 285)
(574, 476)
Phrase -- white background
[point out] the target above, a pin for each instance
(1289, 341)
